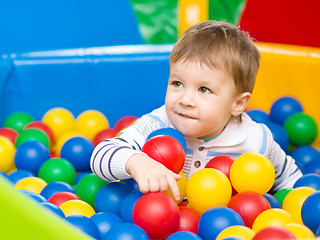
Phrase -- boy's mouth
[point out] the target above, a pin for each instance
(186, 116)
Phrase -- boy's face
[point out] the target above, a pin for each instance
(199, 99)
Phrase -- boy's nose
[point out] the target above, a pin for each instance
(187, 99)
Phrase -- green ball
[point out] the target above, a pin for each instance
(33, 134)
(301, 128)
(88, 187)
(281, 194)
(18, 120)
(57, 169)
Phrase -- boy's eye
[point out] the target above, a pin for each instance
(177, 84)
(204, 90)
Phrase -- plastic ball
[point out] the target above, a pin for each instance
(37, 197)
(167, 151)
(132, 183)
(284, 107)
(59, 120)
(17, 175)
(77, 207)
(41, 126)
(53, 208)
(172, 133)
(215, 220)
(57, 169)
(33, 135)
(208, 188)
(89, 123)
(124, 231)
(281, 194)
(78, 150)
(18, 120)
(252, 172)
(249, 205)
(300, 231)
(61, 197)
(7, 152)
(85, 225)
(241, 232)
(110, 196)
(157, 214)
(295, 197)
(88, 187)
(308, 180)
(124, 122)
(301, 128)
(272, 217)
(312, 167)
(182, 185)
(310, 211)
(103, 135)
(105, 221)
(189, 219)
(80, 175)
(274, 203)
(279, 134)
(62, 139)
(305, 154)
(183, 235)
(54, 187)
(274, 233)
(30, 156)
(127, 205)
(295, 212)
(33, 184)
(9, 133)
(258, 116)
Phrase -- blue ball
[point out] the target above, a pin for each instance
(85, 225)
(258, 116)
(216, 219)
(172, 133)
(126, 231)
(308, 180)
(17, 175)
(274, 203)
(54, 208)
(127, 205)
(54, 187)
(78, 150)
(279, 134)
(30, 156)
(105, 221)
(310, 211)
(305, 154)
(184, 235)
(37, 197)
(283, 108)
(132, 183)
(79, 176)
(110, 197)
(312, 166)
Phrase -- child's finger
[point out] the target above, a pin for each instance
(174, 188)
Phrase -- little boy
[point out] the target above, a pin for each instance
(213, 68)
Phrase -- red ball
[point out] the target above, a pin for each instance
(103, 135)
(189, 219)
(157, 214)
(62, 197)
(223, 164)
(9, 133)
(124, 122)
(273, 233)
(41, 126)
(249, 205)
(166, 150)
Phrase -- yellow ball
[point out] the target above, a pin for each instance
(90, 123)
(208, 188)
(59, 120)
(7, 151)
(77, 207)
(182, 183)
(300, 231)
(237, 231)
(296, 197)
(33, 184)
(252, 172)
(295, 212)
(272, 217)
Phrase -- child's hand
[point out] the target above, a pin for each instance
(152, 176)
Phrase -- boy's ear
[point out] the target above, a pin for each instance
(241, 103)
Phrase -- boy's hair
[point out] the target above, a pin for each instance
(220, 45)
